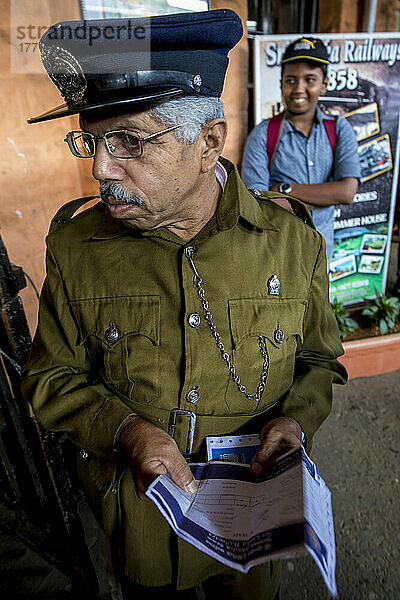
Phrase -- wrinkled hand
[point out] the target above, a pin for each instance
(277, 437)
(152, 452)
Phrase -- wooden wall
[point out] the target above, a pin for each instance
(338, 16)
(38, 174)
(235, 95)
(386, 15)
(342, 16)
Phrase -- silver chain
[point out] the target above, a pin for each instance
(197, 280)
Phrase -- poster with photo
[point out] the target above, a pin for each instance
(342, 268)
(370, 264)
(375, 157)
(363, 87)
(365, 121)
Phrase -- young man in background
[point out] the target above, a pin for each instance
(303, 152)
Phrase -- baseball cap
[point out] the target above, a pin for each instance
(306, 49)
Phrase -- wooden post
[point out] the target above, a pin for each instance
(235, 95)
(338, 16)
(386, 15)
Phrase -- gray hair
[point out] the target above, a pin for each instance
(195, 111)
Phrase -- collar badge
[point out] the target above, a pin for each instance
(273, 285)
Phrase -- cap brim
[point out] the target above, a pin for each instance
(307, 58)
(65, 110)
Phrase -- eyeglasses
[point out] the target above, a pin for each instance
(121, 143)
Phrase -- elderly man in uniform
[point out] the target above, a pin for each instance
(180, 298)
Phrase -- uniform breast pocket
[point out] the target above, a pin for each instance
(121, 336)
(274, 324)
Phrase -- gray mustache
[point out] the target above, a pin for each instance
(108, 188)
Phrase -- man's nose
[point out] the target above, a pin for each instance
(299, 85)
(105, 166)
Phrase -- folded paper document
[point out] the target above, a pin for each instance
(244, 521)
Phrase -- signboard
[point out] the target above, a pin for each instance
(363, 87)
(114, 9)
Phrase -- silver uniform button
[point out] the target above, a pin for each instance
(84, 454)
(194, 320)
(111, 335)
(193, 396)
(279, 336)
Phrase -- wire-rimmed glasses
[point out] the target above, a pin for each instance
(120, 143)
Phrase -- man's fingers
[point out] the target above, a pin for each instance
(181, 474)
(270, 449)
(146, 474)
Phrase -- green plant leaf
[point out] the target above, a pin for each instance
(345, 323)
(352, 323)
(383, 326)
(395, 303)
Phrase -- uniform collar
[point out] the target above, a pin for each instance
(236, 203)
(109, 227)
(320, 116)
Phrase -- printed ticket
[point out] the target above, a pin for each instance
(243, 521)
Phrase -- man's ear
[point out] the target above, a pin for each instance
(214, 136)
(324, 85)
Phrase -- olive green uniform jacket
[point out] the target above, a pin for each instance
(114, 339)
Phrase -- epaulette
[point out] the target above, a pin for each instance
(67, 211)
(298, 207)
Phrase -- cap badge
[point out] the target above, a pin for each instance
(197, 81)
(273, 285)
(65, 71)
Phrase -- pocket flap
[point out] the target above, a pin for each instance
(124, 314)
(263, 316)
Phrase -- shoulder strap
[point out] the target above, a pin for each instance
(273, 134)
(300, 211)
(67, 211)
(297, 206)
(330, 128)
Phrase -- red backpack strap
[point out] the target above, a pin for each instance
(330, 128)
(273, 134)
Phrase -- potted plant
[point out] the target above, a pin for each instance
(383, 310)
(374, 346)
(345, 323)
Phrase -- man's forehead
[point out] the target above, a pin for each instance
(301, 67)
